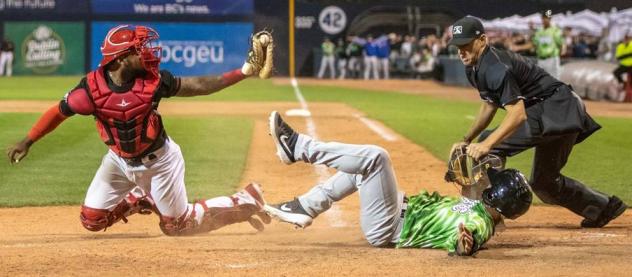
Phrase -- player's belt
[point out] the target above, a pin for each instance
(402, 214)
(400, 224)
(546, 57)
(153, 153)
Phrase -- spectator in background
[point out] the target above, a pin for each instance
(519, 43)
(423, 63)
(434, 45)
(6, 57)
(567, 34)
(549, 45)
(383, 44)
(327, 60)
(498, 42)
(448, 49)
(604, 49)
(580, 47)
(406, 49)
(342, 57)
(624, 55)
(354, 52)
(370, 56)
(395, 41)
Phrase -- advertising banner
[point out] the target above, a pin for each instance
(174, 7)
(190, 49)
(47, 48)
(33, 7)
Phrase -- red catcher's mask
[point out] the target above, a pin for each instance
(122, 39)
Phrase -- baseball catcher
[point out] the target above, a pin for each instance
(389, 218)
(143, 171)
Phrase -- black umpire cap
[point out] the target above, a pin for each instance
(465, 30)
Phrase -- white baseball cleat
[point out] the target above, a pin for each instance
(290, 212)
(284, 138)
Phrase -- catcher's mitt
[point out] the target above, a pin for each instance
(465, 171)
(260, 55)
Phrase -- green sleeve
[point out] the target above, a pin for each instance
(559, 39)
(534, 38)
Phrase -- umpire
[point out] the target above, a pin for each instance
(541, 112)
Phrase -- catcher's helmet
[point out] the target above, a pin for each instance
(123, 39)
(509, 193)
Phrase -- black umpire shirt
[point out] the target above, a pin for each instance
(504, 77)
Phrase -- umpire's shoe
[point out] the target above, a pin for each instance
(291, 212)
(284, 138)
(615, 208)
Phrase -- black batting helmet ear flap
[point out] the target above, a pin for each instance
(509, 193)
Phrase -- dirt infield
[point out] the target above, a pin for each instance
(546, 241)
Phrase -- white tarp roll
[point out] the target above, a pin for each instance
(592, 80)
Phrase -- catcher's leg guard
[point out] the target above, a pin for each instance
(219, 212)
(243, 206)
(94, 219)
(99, 219)
(212, 219)
(184, 225)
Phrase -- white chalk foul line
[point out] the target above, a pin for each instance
(385, 134)
(334, 214)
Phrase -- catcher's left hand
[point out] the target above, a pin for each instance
(260, 56)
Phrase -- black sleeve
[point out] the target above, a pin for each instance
(169, 84)
(63, 104)
(504, 85)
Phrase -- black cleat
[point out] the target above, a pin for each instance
(284, 138)
(291, 212)
(614, 209)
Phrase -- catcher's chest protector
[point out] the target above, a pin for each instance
(127, 121)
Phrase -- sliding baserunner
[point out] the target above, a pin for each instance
(387, 217)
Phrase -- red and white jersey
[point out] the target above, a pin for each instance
(126, 117)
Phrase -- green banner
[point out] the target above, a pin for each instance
(47, 48)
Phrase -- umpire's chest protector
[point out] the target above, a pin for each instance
(127, 121)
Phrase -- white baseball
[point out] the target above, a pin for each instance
(264, 39)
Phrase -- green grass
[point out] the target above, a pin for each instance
(600, 162)
(54, 88)
(59, 168)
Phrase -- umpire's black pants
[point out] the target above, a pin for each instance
(551, 154)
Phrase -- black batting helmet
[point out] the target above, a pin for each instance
(509, 193)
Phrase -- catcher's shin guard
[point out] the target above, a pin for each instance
(100, 219)
(246, 204)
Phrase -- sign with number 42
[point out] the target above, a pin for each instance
(332, 20)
